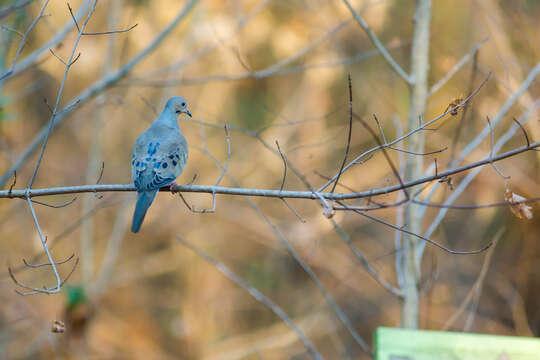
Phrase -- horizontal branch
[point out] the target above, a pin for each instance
(282, 194)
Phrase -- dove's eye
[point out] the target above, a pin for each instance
(183, 104)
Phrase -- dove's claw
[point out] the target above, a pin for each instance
(173, 185)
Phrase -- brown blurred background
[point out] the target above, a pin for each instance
(146, 295)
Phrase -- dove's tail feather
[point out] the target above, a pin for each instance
(144, 200)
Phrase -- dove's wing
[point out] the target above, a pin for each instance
(159, 157)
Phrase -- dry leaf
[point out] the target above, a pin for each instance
(58, 327)
(520, 209)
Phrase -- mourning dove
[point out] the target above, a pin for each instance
(159, 157)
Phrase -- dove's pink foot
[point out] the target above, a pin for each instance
(171, 187)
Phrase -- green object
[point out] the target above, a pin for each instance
(75, 295)
(407, 344)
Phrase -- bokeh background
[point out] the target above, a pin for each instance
(148, 296)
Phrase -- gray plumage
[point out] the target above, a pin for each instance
(159, 157)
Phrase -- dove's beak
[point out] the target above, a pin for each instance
(187, 112)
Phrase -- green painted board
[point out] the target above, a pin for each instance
(406, 344)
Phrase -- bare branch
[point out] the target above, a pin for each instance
(403, 137)
(477, 284)
(228, 139)
(47, 264)
(45, 290)
(7, 28)
(283, 183)
(523, 130)
(284, 167)
(293, 211)
(61, 60)
(55, 206)
(491, 151)
(328, 178)
(255, 294)
(73, 17)
(349, 133)
(360, 256)
(419, 154)
(60, 92)
(289, 194)
(174, 187)
(111, 32)
(97, 33)
(466, 181)
(461, 124)
(500, 115)
(337, 310)
(455, 252)
(388, 160)
(12, 184)
(379, 45)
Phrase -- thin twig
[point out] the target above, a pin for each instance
(475, 289)
(284, 167)
(12, 184)
(213, 209)
(283, 183)
(523, 130)
(491, 151)
(33, 291)
(101, 32)
(328, 178)
(448, 250)
(55, 206)
(420, 154)
(294, 211)
(47, 264)
(61, 60)
(360, 256)
(464, 112)
(7, 28)
(73, 17)
(111, 32)
(388, 160)
(349, 135)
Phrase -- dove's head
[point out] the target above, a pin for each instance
(178, 105)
